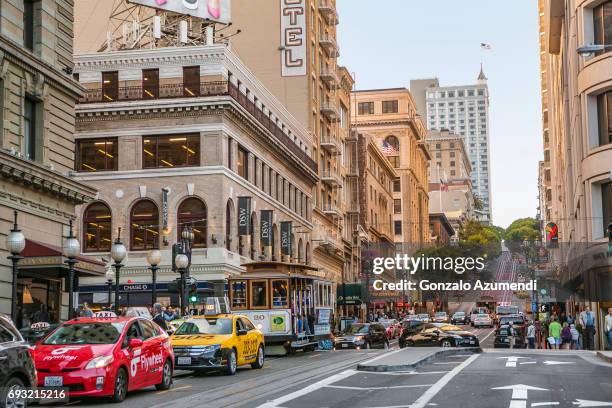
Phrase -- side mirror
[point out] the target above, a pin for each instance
(134, 343)
(242, 332)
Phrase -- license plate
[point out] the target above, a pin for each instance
(57, 381)
(472, 342)
(506, 340)
(344, 345)
(184, 361)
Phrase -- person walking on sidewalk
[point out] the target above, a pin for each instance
(158, 317)
(554, 331)
(531, 334)
(609, 328)
(511, 335)
(587, 320)
(566, 337)
(575, 337)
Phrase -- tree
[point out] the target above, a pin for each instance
(480, 239)
(521, 229)
(478, 203)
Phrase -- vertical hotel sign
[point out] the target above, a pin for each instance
(293, 37)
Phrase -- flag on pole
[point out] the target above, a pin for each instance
(485, 46)
(387, 149)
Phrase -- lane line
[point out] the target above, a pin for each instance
(437, 387)
(307, 390)
(449, 362)
(487, 336)
(543, 404)
(392, 387)
(408, 372)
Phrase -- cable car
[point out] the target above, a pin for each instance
(291, 303)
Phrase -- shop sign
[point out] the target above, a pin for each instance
(285, 237)
(135, 287)
(266, 228)
(244, 215)
(164, 206)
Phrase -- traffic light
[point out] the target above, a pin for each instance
(193, 292)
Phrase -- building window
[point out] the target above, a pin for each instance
(150, 83)
(604, 117)
(397, 206)
(29, 8)
(171, 151)
(389, 106)
(192, 212)
(396, 186)
(602, 23)
(242, 165)
(96, 155)
(191, 81)
(144, 226)
(230, 162)
(365, 108)
(397, 226)
(30, 119)
(606, 205)
(110, 86)
(97, 228)
(452, 154)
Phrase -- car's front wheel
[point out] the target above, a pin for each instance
(166, 381)
(259, 361)
(446, 343)
(121, 386)
(232, 363)
(13, 395)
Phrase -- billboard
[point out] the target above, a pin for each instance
(214, 10)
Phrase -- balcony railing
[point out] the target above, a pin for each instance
(329, 110)
(329, 76)
(216, 88)
(329, 44)
(139, 93)
(332, 211)
(326, 7)
(331, 178)
(330, 143)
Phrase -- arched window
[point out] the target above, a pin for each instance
(229, 210)
(300, 251)
(192, 212)
(392, 151)
(307, 254)
(97, 228)
(144, 226)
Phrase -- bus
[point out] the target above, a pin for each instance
(291, 303)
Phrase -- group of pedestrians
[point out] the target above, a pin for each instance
(162, 315)
(566, 331)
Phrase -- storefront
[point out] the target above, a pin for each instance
(349, 300)
(42, 283)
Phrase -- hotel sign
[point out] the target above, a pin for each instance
(293, 37)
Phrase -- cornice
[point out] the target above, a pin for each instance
(38, 177)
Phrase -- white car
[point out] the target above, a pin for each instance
(482, 320)
(424, 317)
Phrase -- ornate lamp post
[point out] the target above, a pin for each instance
(110, 275)
(118, 253)
(72, 248)
(15, 243)
(154, 258)
(182, 262)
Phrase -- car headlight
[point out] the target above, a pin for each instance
(99, 362)
(211, 348)
(358, 339)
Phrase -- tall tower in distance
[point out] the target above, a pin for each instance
(462, 110)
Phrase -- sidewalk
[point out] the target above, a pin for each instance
(605, 356)
(409, 358)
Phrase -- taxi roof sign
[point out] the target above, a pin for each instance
(217, 305)
(104, 314)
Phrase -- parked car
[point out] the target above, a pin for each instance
(17, 371)
(482, 320)
(424, 317)
(442, 335)
(440, 317)
(409, 327)
(460, 318)
(362, 335)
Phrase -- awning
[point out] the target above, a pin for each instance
(47, 260)
(349, 294)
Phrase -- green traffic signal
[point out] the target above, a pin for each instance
(193, 299)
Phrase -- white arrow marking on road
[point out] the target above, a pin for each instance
(586, 403)
(511, 360)
(519, 391)
(548, 362)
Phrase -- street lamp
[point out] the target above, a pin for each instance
(110, 275)
(154, 258)
(118, 253)
(182, 262)
(72, 248)
(15, 243)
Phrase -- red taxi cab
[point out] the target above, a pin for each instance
(105, 356)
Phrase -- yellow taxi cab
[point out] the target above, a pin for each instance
(217, 340)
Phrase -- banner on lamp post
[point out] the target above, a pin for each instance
(285, 237)
(266, 228)
(244, 215)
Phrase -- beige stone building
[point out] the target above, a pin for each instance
(302, 72)
(176, 137)
(576, 172)
(389, 115)
(37, 98)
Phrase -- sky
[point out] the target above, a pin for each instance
(386, 43)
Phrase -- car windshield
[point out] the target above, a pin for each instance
(205, 326)
(86, 333)
(514, 320)
(507, 309)
(357, 329)
(450, 327)
(482, 316)
(440, 314)
(423, 316)
(459, 314)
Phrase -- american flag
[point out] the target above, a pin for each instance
(387, 149)
(485, 46)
